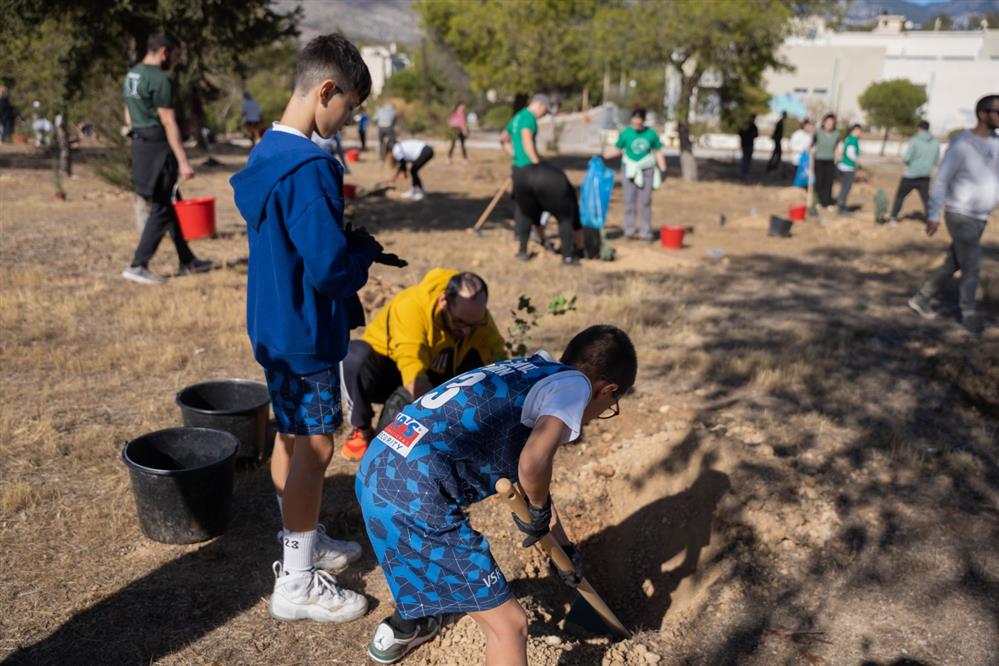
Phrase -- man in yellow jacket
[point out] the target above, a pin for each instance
(426, 335)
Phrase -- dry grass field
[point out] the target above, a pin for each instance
(806, 474)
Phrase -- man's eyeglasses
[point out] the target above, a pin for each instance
(458, 322)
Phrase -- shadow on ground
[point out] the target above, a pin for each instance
(191, 596)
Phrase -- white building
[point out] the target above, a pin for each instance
(832, 69)
(382, 62)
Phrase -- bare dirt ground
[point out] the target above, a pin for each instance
(806, 474)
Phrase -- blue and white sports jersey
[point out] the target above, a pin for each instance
(458, 439)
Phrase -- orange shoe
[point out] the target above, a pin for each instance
(356, 444)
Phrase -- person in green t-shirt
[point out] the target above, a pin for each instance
(517, 138)
(642, 167)
(848, 165)
(539, 187)
(158, 157)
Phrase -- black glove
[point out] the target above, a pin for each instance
(390, 259)
(359, 239)
(570, 578)
(541, 518)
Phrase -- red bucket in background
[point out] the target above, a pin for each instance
(349, 190)
(196, 217)
(353, 155)
(671, 237)
(797, 213)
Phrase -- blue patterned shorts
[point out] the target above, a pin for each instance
(306, 404)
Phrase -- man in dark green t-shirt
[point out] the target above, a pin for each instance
(158, 157)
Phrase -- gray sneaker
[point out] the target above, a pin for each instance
(196, 266)
(922, 307)
(142, 275)
(387, 647)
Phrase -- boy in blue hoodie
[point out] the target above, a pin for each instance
(305, 270)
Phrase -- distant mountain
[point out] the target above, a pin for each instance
(369, 21)
(863, 12)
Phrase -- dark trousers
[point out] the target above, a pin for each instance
(457, 136)
(775, 157)
(386, 137)
(370, 378)
(154, 172)
(425, 156)
(363, 136)
(543, 187)
(747, 162)
(845, 183)
(825, 174)
(964, 254)
(921, 185)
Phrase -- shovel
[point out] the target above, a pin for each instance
(588, 610)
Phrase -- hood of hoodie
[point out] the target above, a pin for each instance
(277, 155)
(923, 137)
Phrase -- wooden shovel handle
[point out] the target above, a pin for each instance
(492, 204)
(511, 495)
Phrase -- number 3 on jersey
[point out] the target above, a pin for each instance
(436, 398)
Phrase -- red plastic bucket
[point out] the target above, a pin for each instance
(349, 190)
(196, 217)
(671, 237)
(797, 213)
(353, 155)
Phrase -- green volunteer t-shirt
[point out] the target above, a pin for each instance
(636, 144)
(146, 89)
(521, 119)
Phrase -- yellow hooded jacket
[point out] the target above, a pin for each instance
(410, 331)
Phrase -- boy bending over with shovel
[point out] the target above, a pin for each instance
(447, 450)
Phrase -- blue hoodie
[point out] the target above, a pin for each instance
(303, 276)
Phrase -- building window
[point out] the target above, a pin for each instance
(819, 91)
(801, 91)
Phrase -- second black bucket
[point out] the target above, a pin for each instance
(236, 406)
(182, 482)
(779, 227)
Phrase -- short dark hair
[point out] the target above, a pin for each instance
(158, 40)
(604, 352)
(855, 126)
(983, 103)
(470, 283)
(827, 117)
(923, 125)
(639, 113)
(333, 57)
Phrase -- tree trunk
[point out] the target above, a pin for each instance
(884, 142)
(62, 140)
(606, 82)
(688, 84)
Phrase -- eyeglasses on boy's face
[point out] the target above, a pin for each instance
(613, 410)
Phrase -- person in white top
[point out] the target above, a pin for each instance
(411, 155)
(801, 140)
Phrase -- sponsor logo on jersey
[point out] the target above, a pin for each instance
(492, 578)
(403, 434)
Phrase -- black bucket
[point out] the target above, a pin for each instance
(182, 482)
(779, 227)
(236, 406)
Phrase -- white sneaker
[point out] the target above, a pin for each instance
(330, 553)
(387, 648)
(142, 275)
(408, 194)
(418, 195)
(313, 595)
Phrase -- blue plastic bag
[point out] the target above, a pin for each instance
(595, 194)
(801, 175)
